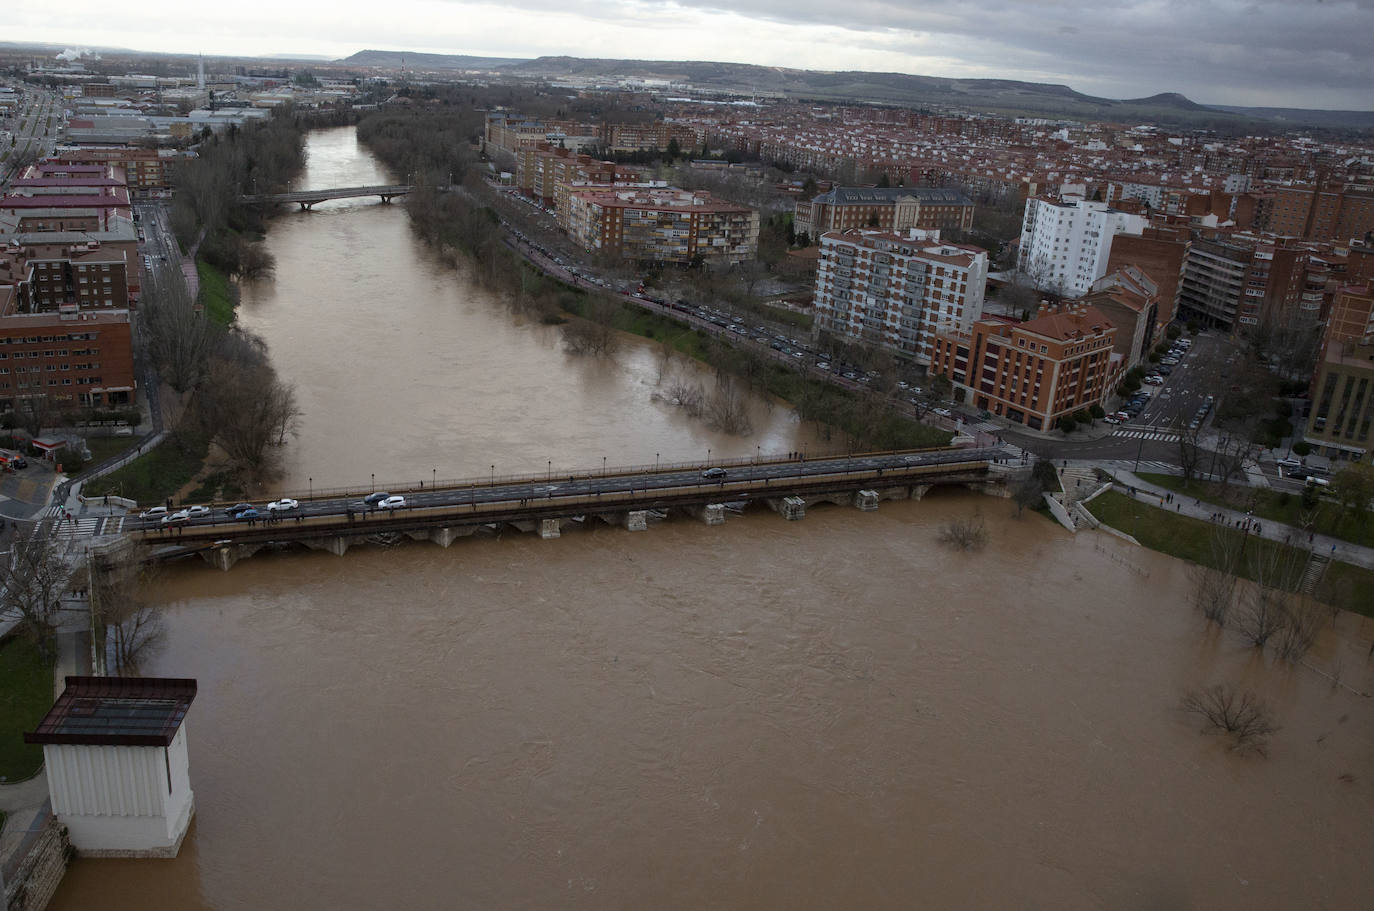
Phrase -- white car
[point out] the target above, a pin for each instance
(157, 512)
(943, 412)
(282, 505)
(392, 502)
(1112, 419)
(193, 511)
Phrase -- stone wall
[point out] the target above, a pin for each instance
(33, 872)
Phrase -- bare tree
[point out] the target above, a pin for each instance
(35, 412)
(1302, 618)
(1265, 607)
(34, 578)
(256, 261)
(690, 397)
(1214, 586)
(1242, 716)
(129, 627)
(1189, 453)
(245, 406)
(1234, 449)
(596, 333)
(965, 534)
(728, 410)
(179, 336)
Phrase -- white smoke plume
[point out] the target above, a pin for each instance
(71, 54)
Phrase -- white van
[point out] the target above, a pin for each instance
(1314, 481)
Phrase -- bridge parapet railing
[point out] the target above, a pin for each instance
(555, 474)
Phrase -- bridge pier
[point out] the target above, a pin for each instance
(790, 508)
(866, 500)
(224, 558)
(337, 545)
(637, 520)
(920, 490)
(550, 528)
(447, 535)
(710, 513)
(991, 488)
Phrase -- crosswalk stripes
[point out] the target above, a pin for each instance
(1137, 433)
(1146, 466)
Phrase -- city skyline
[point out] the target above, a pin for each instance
(1255, 53)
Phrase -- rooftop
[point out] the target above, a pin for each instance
(887, 195)
(117, 711)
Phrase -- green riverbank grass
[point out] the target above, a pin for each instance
(1347, 586)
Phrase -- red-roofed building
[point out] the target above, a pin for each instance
(1034, 372)
(661, 224)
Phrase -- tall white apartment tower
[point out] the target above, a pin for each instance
(1065, 243)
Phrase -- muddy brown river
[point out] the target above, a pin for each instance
(831, 713)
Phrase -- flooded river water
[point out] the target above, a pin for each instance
(831, 713)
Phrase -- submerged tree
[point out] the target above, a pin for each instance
(1241, 715)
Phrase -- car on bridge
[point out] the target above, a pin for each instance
(247, 515)
(238, 509)
(194, 511)
(373, 499)
(283, 505)
(157, 512)
(714, 474)
(393, 502)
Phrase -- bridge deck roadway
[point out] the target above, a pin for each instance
(313, 196)
(539, 498)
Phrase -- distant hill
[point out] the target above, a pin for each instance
(1298, 117)
(1002, 96)
(397, 59)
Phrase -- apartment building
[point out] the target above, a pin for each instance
(1236, 282)
(1343, 387)
(143, 169)
(1160, 251)
(1322, 211)
(1066, 243)
(1129, 298)
(661, 224)
(651, 136)
(883, 208)
(896, 290)
(64, 334)
(1033, 372)
(541, 169)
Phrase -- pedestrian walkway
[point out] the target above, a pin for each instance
(1149, 466)
(1332, 548)
(1147, 433)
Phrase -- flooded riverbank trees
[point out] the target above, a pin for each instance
(207, 214)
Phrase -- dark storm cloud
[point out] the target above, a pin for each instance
(1313, 53)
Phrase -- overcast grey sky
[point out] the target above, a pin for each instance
(1288, 53)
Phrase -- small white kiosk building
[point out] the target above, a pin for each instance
(115, 751)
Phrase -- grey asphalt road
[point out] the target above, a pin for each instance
(550, 488)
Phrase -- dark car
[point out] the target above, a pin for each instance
(373, 499)
(714, 473)
(248, 514)
(238, 509)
